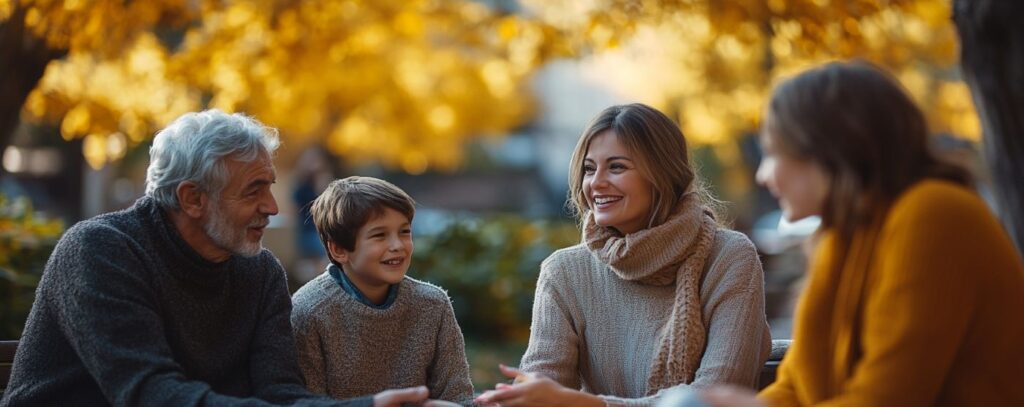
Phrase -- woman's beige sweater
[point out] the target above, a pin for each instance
(599, 333)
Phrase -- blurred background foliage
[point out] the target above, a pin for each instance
(26, 240)
(486, 264)
(489, 267)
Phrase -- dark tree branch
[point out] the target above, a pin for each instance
(24, 58)
(992, 58)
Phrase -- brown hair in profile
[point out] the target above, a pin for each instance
(865, 132)
(660, 149)
(348, 204)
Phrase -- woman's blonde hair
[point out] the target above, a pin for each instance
(661, 155)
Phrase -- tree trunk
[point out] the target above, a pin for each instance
(23, 60)
(992, 58)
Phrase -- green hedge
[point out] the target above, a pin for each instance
(26, 240)
(489, 267)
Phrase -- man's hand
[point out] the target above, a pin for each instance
(395, 397)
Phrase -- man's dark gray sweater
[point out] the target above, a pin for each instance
(127, 313)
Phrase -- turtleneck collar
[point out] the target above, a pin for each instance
(184, 261)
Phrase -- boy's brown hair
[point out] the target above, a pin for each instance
(348, 204)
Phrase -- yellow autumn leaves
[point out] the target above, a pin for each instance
(406, 83)
(711, 64)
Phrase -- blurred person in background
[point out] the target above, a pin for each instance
(657, 295)
(312, 173)
(915, 289)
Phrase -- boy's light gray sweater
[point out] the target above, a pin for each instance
(347, 349)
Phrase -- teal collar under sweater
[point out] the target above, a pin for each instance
(346, 284)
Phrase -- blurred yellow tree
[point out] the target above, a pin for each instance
(35, 33)
(407, 82)
(711, 63)
(401, 82)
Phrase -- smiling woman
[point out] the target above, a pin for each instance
(911, 278)
(619, 195)
(656, 296)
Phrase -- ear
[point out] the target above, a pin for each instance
(191, 199)
(337, 253)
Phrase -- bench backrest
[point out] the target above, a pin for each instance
(771, 367)
(7, 349)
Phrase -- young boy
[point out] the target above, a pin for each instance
(364, 326)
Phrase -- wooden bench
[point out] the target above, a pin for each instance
(7, 349)
(771, 367)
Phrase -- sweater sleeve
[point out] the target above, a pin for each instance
(553, 349)
(449, 378)
(309, 349)
(933, 253)
(738, 340)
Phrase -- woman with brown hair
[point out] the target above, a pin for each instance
(656, 295)
(915, 290)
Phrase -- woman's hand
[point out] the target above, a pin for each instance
(531, 389)
(730, 396)
(395, 397)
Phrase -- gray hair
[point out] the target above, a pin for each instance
(194, 148)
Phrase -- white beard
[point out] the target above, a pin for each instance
(229, 238)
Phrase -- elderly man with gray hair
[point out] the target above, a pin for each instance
(174, 301)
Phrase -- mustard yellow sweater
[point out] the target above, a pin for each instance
(928, 312)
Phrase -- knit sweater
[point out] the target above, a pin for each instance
(597, 332)
(925, 311)
(349, 349)
(127, 313)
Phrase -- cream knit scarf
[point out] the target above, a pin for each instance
(673, 252)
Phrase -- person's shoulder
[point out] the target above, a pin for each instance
(310, 301)
(103, 229)
(733, 257)
(567, 258)
(732, 247)
(934, 212)
(936, 197)
(933, 206)
(728, 241)
(110, 232)
(109, 236)
(315, 292)
(569, 268)
(424, 292)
